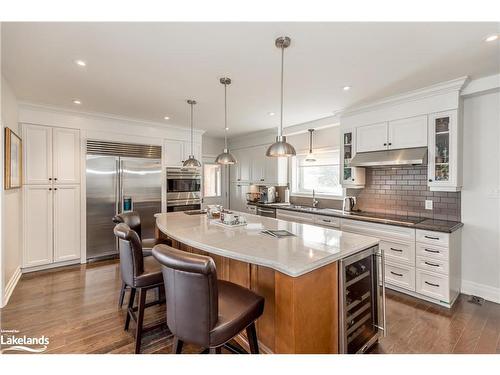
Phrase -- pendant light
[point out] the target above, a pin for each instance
(226, 158)
(281, 147)
(191, 162)
(310, 157)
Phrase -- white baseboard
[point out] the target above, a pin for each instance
(487, 292)
(11, 285)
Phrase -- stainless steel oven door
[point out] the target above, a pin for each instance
(267, 212)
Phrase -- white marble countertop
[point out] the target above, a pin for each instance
(311, 248)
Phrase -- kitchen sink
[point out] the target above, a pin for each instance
(316, 209)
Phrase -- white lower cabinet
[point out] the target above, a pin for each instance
(400, 275)
(38, 225)
(66, 223)
(51, 224)
(433, 285)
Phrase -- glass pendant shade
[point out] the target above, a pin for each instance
(191, 161)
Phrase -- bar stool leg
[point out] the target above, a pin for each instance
(140, 319)
(216, 350)
(177, 346)
(130, 307)
(122, 294)
(252, 339)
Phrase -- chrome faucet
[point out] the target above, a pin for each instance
(315, 201)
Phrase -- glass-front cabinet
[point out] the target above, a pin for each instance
(443, 152)
(352, 177)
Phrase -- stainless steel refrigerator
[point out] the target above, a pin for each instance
(120, 177)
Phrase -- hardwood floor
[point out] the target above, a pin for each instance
(76, 308)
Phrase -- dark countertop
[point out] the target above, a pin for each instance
(443, 226)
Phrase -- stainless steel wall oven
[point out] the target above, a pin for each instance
(183, 189)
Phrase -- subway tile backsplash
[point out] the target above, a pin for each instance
(403, 191)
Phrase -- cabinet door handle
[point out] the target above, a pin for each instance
(385, 144)
(431, 284)
(55, 188)
(55, 178)
(327, 221)
(397, 274)
(50, 189)
(399, 250)
(390, 144)
(50, 178)
(432, 264)
(430, 179)
(432, 238)
(432, 251)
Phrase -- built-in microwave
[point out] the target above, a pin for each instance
(183, 189)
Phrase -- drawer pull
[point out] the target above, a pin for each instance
(431, 284)
(432, 238)
(432, 264)
(327, 221)
(397, 274)
(398, 250)
(432, 251)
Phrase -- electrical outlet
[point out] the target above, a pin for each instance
(428, 204)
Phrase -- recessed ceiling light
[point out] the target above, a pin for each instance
(227, 128)
(80, 63)
(76, 101)
(271, 113)
(346, 88)
(491, 38)
(166, 118)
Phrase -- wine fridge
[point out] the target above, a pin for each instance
(362, 300)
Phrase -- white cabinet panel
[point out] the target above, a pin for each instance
(399, 252)
(66, 156)
(66, 223)
(37, 154)
(400, 275)
(296, 217)
(371, 137)
(407, 133)
(433, 285)
(37, 225)
(174, 153)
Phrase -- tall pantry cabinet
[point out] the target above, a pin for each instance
(51, 209)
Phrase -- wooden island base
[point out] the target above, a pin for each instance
(300, 313)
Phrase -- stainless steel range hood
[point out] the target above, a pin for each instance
(404, 156)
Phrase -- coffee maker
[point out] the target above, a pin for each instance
(267, 194)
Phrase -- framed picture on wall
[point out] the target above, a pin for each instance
(13, 160)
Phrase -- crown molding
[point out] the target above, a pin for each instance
(454, 85)
(103, 116)
(481, 85)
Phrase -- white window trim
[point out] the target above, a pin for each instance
(318, 195)
(203, 181)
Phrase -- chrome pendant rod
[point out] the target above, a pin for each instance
(225, 114)
(282, 88)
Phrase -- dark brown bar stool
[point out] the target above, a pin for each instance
(133, 220)
(139, 273)
(202, 310)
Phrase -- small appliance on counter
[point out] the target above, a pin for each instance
(348, 204)
(267, 194)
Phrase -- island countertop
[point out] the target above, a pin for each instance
(312, 247)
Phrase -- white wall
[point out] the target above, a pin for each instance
(12, 201)
(481, 196)
(212, 146)
(322, 138)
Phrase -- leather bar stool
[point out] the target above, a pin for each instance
(139, 273)
(202, 310)
(133, 220)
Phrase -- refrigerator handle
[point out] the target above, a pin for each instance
(117, 186)
(121, 186)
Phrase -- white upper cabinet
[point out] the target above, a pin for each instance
(352, 177)
(371, 137)
(444, 152)
(176, 152)
(38, 225)
(66, 223)
(37, 154)
(66, 156)
(255, 167)
(241, 171)
(408, 133)
(51, 155)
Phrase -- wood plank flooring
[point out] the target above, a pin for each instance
(76, 308)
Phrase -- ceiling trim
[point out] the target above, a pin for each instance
(158, 125)
(437, 89)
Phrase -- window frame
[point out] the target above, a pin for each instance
(220, 180)
(294, 165)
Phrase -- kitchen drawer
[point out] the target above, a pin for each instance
(327, 221)
(433, 265)
(433, 285)
(400, 275)
(399, 252)
(382, 231)
(297, 217)
(434, 252)
(433, 238)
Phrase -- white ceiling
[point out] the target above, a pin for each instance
(147, 70)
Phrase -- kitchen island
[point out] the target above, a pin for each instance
(297, 276)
